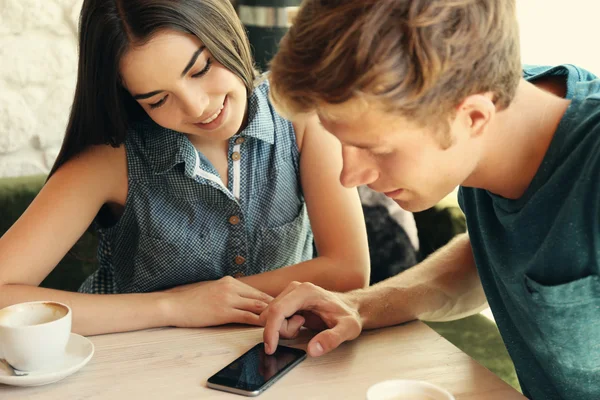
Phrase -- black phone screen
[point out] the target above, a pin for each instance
(254, 369)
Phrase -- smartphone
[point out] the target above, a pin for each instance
(254, 371)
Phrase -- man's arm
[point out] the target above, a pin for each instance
(445, 286)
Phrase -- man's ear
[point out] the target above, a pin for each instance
(476, 112)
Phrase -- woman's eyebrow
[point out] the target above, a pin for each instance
(192, 60)
(185, 71)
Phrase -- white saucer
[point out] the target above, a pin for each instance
(401, 387)
(79, 351)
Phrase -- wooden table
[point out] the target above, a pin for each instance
(172, 363)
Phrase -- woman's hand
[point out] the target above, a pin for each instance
(219, 302)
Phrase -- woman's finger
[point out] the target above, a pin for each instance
(249, 292)
(252, 305)
(245, 317)
(291, 326)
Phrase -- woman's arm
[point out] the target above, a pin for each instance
(336, 218)
(56, 219)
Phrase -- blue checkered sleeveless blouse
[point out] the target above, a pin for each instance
(182, 225)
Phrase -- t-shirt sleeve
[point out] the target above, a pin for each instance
(460, 199)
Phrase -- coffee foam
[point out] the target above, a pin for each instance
(31, 314)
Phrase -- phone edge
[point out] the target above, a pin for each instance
(260, 390)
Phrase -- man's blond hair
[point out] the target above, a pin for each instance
(417, 58)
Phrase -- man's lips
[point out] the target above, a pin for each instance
(394, 193)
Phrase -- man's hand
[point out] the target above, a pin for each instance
(308, 305)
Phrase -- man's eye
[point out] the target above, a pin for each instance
(159, 103)
(380, 152)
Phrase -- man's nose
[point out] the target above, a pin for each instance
(358, 168)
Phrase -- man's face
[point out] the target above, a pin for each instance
(405, 161)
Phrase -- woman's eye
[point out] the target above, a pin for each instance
(197, 75)
(159, 103)
(204, 70)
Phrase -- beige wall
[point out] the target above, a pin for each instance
(560, 31)
(38, 63)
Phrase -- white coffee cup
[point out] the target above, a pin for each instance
(34, 335)
(400, 389)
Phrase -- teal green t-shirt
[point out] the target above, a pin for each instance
(538, 256)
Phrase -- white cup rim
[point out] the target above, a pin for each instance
(36, 302)
(386, 387)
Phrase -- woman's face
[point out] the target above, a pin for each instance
(183, 88)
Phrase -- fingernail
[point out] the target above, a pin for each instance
(318, 349)
(267, 349)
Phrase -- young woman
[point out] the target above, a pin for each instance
(199, 191)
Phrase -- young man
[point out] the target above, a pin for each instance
(425, 95)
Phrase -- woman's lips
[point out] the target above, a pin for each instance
(216, 119)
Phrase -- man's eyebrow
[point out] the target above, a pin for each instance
(185, 71)
(361, 146)
(357, 145)
(192, 60)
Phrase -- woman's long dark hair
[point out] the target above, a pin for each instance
(102, 109)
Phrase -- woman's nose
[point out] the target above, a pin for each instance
(195, 104)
